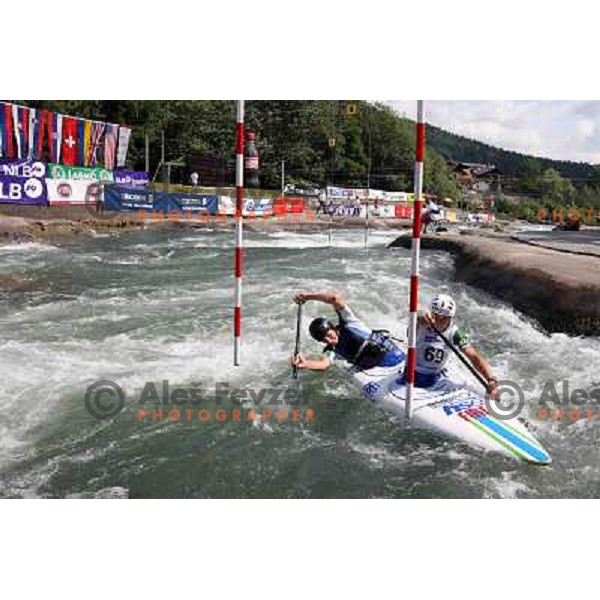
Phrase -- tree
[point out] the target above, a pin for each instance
(373, 147)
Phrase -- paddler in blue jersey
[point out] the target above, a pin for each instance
(350, 339)
(432, 352)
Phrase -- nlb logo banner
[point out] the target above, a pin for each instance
(23, 168)
(19, 190)
(23, 182)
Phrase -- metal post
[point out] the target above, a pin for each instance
(416, 248)
(282, 177)
(166, 171)
(332, 163)
(367, 224)
(147, 151)
(370, 125)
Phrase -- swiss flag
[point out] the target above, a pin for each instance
(70, 141)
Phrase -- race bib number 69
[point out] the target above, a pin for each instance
(435, 355)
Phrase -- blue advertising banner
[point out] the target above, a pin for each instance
(194, 203)
(119, 198)
(19, 190)
(122, 198)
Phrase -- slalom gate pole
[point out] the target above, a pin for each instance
(415, 253)
(239, 205)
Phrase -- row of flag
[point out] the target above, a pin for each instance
(39, 133)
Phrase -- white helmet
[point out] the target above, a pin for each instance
(443, 305)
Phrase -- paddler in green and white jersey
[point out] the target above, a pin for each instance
(349, 339)
(432, 352)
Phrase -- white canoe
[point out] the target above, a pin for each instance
(452, 408)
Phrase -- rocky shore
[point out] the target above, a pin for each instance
(43, 225)
(559, 289)
(19, 224)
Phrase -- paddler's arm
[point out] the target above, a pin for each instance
(322, 364)
(424, 319)
(332, 298)
(481, 365)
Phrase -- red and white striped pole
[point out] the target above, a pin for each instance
(416, 250)
(239, 205)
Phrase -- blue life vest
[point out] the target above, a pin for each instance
(366, 349)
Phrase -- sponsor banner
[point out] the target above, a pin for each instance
(364, 194)
(351, 193)
(191, 202)
(120, 198)
(23, 168)
(376, 194)
(79, 173)
(256, 206)
(132, 179)
(298, 190)
(481, 217)
(283, 205)
(360, 193)
(72, 191)
(403, 211)
(132, 199)
(397, 196)
(19, 190)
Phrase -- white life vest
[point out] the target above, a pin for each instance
(432, 352)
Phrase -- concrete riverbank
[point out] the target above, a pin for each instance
(559, 289)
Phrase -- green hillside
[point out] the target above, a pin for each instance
(511, 164)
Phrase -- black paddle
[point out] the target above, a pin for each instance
(297, 346)
(458, 353)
